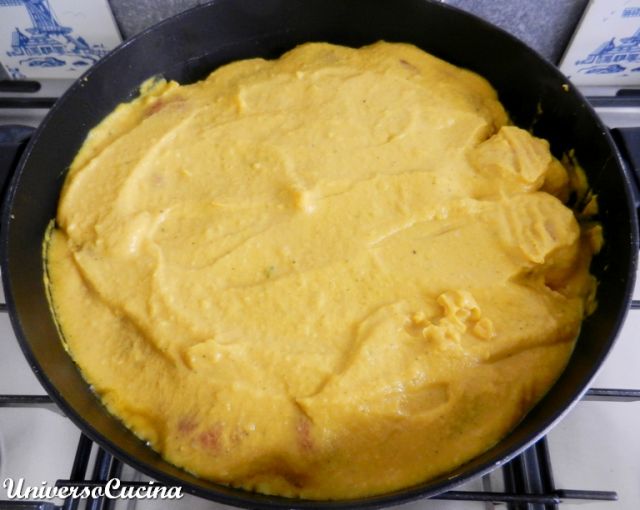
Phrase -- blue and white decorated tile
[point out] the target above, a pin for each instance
(605, 49)
(54, 39)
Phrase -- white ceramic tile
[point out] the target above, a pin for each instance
(56, 39)
(605, 49)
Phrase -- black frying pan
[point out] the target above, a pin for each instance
(188, 47)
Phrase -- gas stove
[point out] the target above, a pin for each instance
(592, 456)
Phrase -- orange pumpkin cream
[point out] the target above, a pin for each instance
(331, 275)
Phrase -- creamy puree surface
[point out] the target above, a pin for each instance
(330, 275)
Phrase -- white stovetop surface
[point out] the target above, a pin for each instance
(595, 447)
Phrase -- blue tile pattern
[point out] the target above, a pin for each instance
(47, 43)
